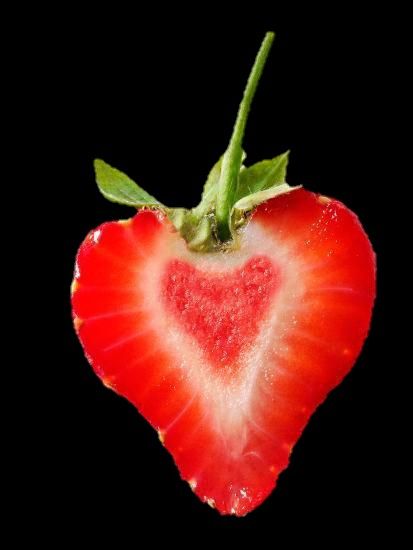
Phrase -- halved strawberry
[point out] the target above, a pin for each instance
(228, 355)
(226, 331)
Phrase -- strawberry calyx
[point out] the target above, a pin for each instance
(231, 192)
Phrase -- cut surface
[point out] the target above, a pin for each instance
(223, 311)
(228, 354)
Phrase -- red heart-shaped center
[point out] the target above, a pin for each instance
(222, 310)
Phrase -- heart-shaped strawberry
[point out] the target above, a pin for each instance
(226, 325)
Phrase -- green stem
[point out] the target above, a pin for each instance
(232, 160)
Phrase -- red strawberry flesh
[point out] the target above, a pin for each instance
(227, 354)
(223, 310)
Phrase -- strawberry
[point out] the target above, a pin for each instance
(226, 325)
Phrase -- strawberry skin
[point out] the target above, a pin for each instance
(227, 354)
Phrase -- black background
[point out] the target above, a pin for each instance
(156, 97)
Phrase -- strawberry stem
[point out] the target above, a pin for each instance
(232, 160)
(231, 192)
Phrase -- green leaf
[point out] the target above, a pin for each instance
(262, 175)
(196, 225)
(177, 216)
(198, 231)
(203, 239)
(118, 187)
(242, 207)
(209, 193)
